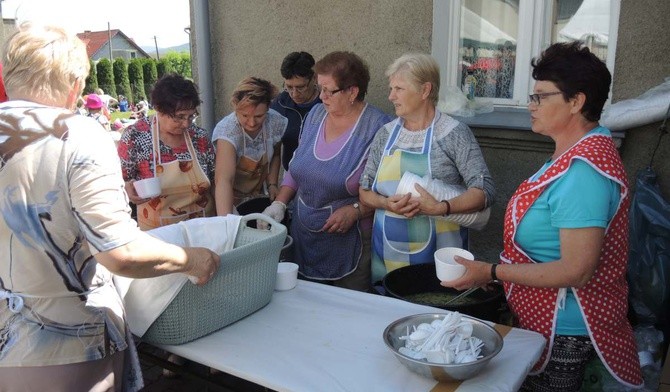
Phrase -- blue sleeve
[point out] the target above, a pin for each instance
(582, 198)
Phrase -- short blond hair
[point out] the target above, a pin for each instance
(42, 64)
(418, 68)
(253, 91)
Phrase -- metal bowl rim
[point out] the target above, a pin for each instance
(440, 316)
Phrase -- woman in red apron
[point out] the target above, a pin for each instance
(171, 147)
(248, 146)
(566, 232)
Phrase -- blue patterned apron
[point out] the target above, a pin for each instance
(322, 190)
(396, 240)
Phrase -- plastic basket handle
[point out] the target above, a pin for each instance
(274, 225)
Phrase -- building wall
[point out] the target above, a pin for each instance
(120, 48)
(252, 37)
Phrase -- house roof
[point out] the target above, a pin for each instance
(95, 40)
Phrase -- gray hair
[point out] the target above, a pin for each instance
(418, 68)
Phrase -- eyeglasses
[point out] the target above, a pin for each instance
(537, 98)
(182, 118)
(328, 93)
(296, 89)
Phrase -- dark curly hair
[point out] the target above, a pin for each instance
(574, 69)
(173, 93)
(347, 69)
(297, 64)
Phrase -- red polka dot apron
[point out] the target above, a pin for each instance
(603, 300)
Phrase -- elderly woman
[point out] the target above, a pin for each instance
(65, 228)
(298, 98)
(323, 177)
(423, 141)
(248, 146)
(566, 250)
(170, 146)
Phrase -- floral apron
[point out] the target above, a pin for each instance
(396, 240)
(250, 174)
(185, 189)
(603, 300)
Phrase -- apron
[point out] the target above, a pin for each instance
(603, 299)
(321, 255)
(250, 174)
(396, 240)
(185, 189)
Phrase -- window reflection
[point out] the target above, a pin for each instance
(584, 20)
(489, 31)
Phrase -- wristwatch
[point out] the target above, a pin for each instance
(358, 208)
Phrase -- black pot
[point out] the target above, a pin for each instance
(420, 278)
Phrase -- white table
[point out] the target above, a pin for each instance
(317, 337)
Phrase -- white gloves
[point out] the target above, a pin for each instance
(276, 211)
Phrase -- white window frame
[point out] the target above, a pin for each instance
(534, 22)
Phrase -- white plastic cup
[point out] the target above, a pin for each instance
(406, 184)
(287, 276)
(148, 188)
(446, 268)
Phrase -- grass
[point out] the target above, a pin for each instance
(125, 115)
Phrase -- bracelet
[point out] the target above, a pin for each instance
(448, 207)
(494, 277)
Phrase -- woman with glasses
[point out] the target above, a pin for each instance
(425, 142)
(298, 98)
(331, 230)
(170, 146)
(565, 241)
(248, 146)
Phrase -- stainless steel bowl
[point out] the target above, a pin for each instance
(493, 343)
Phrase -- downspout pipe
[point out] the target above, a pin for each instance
(204, 63)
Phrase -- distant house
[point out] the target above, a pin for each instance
(98, 43)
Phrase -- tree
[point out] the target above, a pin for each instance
(91, 80)
(164, 67)
(150, 74)
(106, 77)
(121, 77)
(181, 62)
(136, 77)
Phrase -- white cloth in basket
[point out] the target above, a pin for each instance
(145, 299)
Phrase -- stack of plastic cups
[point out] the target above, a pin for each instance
(441, 191)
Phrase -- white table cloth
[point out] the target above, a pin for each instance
(317, 338)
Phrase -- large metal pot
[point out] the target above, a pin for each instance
(420, 278)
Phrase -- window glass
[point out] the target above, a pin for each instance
(584, 20)
(487, 52)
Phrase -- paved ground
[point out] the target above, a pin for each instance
(194, 377)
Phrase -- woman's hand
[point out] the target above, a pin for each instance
(427, 204)
(273, 190)
(202, 264)
(477, 273)
(402, 205)
(132, 193)
(341, 220)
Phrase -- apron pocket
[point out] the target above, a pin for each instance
(407, 235)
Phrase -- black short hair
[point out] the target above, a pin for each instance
(574, 69)
(173, 93)
(297, 64)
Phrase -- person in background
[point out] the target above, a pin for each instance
(141, 111)
(65, 228)
(298, 98)
(426, 142)
(169, 145)
(248, 146)
(123, 103)
(94, 106)
(107, 100)
(565, 252)
(323, 177)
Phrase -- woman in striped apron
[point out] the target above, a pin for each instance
(425, 142)
(566, 232)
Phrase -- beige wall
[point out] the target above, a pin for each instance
(252, 37)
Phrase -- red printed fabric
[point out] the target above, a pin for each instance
(603, 301)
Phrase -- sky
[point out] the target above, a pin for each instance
(140, 20)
